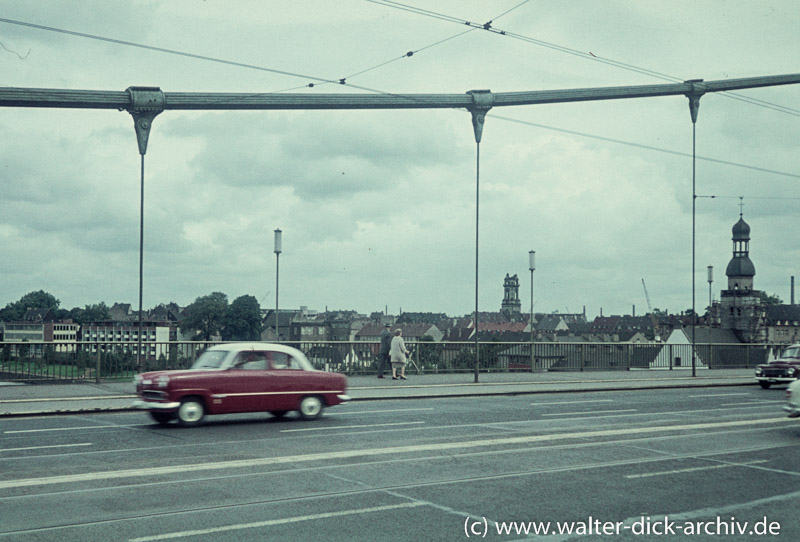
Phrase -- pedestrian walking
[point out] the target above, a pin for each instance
(383, 353)
(398, 353)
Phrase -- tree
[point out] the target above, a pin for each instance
(33, 300)
(243, 321)
(93, 313)
(770, 299)
(206, 316)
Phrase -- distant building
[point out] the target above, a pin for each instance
(511, 303)
(783, 324)
(38, 326)
(116, 336)
(741, 308)
(420, 318)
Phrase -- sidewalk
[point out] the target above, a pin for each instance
(39, 399)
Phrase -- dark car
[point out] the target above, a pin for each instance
(784, 370)
(240, 377)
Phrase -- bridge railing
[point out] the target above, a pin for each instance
(42, 361)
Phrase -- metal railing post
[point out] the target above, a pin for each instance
(97, 366)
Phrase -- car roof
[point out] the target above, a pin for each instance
(242, 346)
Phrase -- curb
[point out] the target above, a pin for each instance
(588, 387)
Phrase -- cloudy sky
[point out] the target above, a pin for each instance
(377, 208)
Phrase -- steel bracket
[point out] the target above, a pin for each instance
(146, 103)
(694, 95)
(482, 101)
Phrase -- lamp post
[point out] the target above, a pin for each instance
(710, 299)
(277, 277)
(532, 267)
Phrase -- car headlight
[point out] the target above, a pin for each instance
(790, 371)
(759, 372)
(162, 381)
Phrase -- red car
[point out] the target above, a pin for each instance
(240, 377)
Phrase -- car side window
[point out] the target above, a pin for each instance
(294, 364)
(251, 361)
(281, 360)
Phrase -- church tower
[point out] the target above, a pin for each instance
(741, 307)
(511, 303)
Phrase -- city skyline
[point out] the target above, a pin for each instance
(377, 209)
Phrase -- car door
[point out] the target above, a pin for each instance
(288, 381)
(245, 385)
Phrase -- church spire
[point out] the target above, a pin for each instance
(740, 270)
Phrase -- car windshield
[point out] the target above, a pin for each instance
(792, 352)
(210, 359)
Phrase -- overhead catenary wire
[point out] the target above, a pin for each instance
(410, 98)
(769, 198)
(343, 80)
(412, 52)
(645, 147)
(575, 52)
(159, 49)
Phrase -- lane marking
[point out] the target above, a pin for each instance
(721, 395)
(69, 428)
(348, 427)
(44, 447)
(760, 403)
(551, 382)
(339, 412)
(282, 521)
(155, 472)
(696, 469)
(574, 402)
(590, 412)
(49, 399)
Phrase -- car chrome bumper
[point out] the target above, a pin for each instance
(343, 397)
(149, 405)
(776, 379)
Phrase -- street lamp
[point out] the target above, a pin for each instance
(277, 276)
(532, 267)
(710, 299)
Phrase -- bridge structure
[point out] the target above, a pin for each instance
(145, 103)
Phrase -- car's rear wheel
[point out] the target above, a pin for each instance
(311, 407)
(278, 413)
(162, 417)
(764, 384)
(191, 411)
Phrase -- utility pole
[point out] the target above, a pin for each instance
(532, 268)
(277, 279)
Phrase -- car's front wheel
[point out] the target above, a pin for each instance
(311, 407)
(162, 417)
(191, 411)
(764, 384)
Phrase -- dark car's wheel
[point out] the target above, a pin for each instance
(162, 417)
(764, 384)
(191, 411)
(311, 407)
(278, 413)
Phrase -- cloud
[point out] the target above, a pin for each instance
(378, 207)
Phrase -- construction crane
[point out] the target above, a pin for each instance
(647, 296)
(653, 317)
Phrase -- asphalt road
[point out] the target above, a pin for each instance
(629, 464)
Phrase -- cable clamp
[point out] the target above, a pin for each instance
(146, 103)
(482, 101)
(694, 95)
